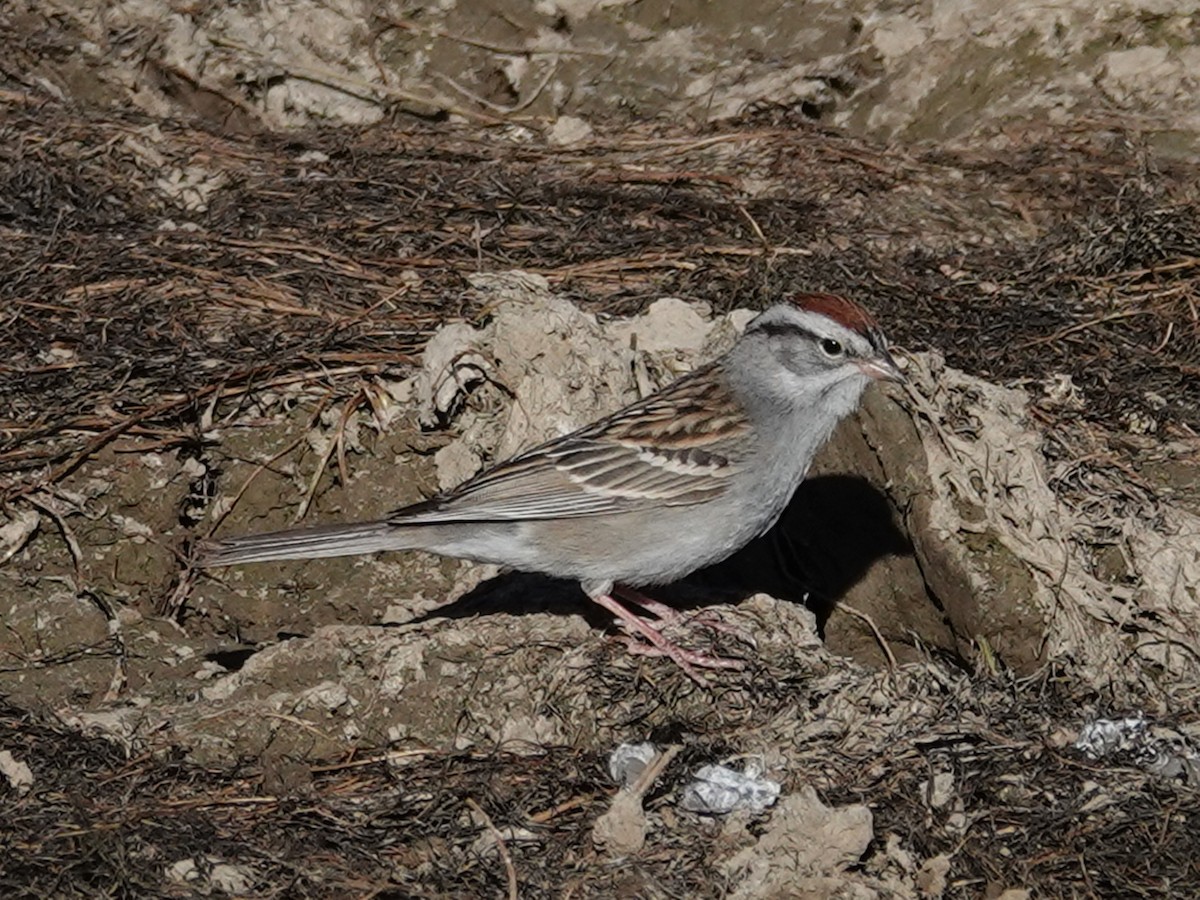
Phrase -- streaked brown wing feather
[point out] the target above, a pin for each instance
(670, 449)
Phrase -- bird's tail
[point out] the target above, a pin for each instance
(306, 543)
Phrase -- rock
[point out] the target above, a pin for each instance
(804, 839)
(17, 773)
(569, 130)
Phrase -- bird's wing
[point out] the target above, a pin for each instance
(671, 449)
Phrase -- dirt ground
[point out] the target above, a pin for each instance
(219, 321)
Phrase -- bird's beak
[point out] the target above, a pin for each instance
(883, 368)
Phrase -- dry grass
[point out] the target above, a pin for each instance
(118, 327)
(1034, 814)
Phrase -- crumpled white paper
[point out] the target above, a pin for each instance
(718, 790)
(1133, 739)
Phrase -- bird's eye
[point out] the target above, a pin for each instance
(831, 348)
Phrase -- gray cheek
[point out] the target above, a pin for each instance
(799, 358)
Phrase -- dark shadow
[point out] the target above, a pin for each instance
(835, 527)
(522, 593)
(830, 534)
(232, 660)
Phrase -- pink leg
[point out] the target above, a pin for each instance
(669, 617)
(659, 645)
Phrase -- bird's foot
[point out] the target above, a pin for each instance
(644, 639)
(667, 617)
(686, 659)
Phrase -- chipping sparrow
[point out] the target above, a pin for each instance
(668, 485)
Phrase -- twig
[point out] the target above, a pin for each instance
(372, 760)
(355, 87)
(120, 676)
(745, 251)
(336, 445)
(496, 108)
(220, 391)
(1166, 338)
(687, 145)
(602, 267)
(766, 245)
(655, 177)
(265, 465)
(501, 848)
(541, 818)
(1082, 326)
(1189, 263)
(303, 724)
(388, 23)
(171, 606)
(50, 508)
(202, 802)
(650, 774)
(197, 84)
(882, 641)
(94, 445)
(351, 406)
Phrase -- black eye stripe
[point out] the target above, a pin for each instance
(777, 328)
(774, 329)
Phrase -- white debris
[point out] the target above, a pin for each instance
(487, 843)
(569, 130)
(17, 532)
(206, 875)
(450, 370)
(1106, 737)
(18, 773)
(628, 762)
(1134, 740)
(718, 790)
